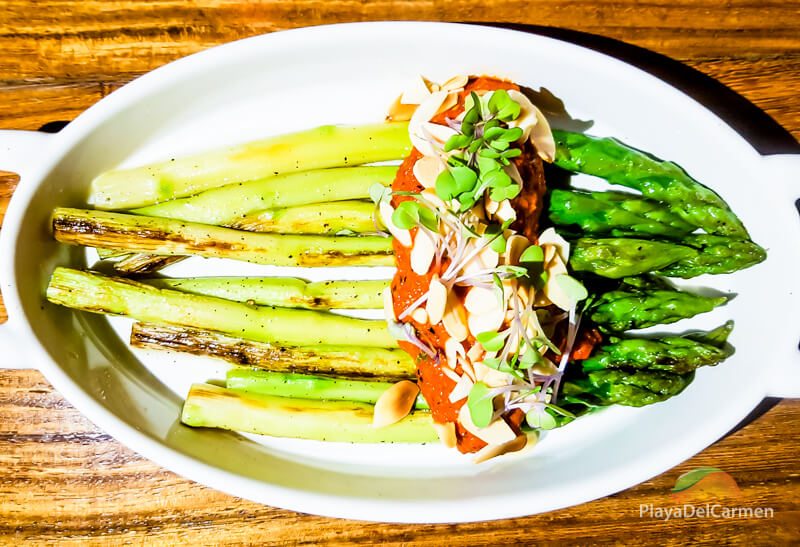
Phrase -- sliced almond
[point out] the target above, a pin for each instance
(417, 92)
(548, 251)
(423, 251)
(450, 373)
(454, 319)
(456, 83)
(420, 316)
(552, 289)
(492, 451)
(452, 349)
(545, 367)
(489, 320)
(551, 237)
(490, 205)
(450, 101)
(438, 132)
(505, 211)
(482, 300)
(495, 378)
(497, 432)
(426, 110)
(512, 171)
(461, 389)
(388, 305)
(475, 353)
(446, 433)
(427, 169)
(534, 126)
(466, 366)
(385, 211)
(430, 195)
(395, 403)
(399, 112)
(437, 300)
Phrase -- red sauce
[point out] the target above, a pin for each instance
(408, 286)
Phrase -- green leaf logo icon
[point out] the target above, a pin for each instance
(690, 478)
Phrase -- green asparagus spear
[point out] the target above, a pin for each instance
(342, 421)
(337, 217)
(718, 255)
(656, 179)
(288, 292)
(673, 354)
(615, 213)
(628, 308)
(229, 204)
(622, 257)
(326, 146)
(100, 294)
(620, 387)
(305, 386)
(173, 237)
(389, 365)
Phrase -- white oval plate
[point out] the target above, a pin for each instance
(350, 74)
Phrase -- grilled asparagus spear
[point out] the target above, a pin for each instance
(321, 147)
(389, 365)
(173, 237)
(343, 421)
(656, 179)
(615, 214)
(100, 294)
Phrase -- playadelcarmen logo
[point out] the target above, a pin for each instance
(705, 492)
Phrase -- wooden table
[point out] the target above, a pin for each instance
(63, 479)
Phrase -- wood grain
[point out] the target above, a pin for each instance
(61, 479)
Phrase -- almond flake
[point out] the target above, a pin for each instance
(551, 237)
(426, 110)
(417, 92)
(454, 319)
(534, 126)
(492, 451)
(461, 389)
(446, 433)
(490, 205)
(449, 102)
(486, 321)
(475, 353)
(437, 300)
(399, 112)
(482, 300)
(385, 211)
(452, 349)
(450, 373)
(506, 211)
(427, 169)
(423, 251)
(515, 245)
(497, 432)
(395, 403)
(420, 316)
(456, 83)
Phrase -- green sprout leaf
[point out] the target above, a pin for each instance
(506, 192)
(532, 255)
(446, 186)
(573, 288)
(540, 419)
(457, 142)
(377, 192)
(428, 219)
(530, 358)
(479, 403)
(464, 178)
(406, 216)
(491, 341)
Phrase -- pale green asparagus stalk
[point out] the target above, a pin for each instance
(117, 296)
(334, 218)
(388, 365)
(231, 203)
(288, 292)
(342, 421)
(306, 386)
(173, 237)
(321, 147)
